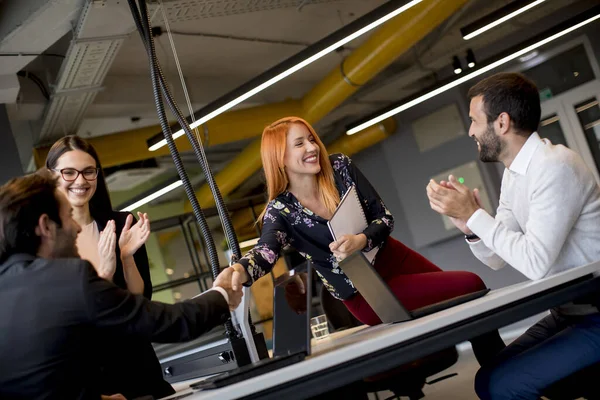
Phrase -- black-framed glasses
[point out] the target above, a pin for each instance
(71, 174)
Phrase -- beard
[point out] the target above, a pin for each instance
(66, 246)
(490, 145)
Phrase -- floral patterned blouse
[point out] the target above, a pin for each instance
(288, 223)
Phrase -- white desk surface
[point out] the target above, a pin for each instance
(352, 344)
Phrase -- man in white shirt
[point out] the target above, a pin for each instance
(548, 221)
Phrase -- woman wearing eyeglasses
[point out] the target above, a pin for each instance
(114, 245)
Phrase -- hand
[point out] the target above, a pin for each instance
(476, 193)
(453, 199)
(134, 237)
(347, 244)
(232, 279)
(106, 252)
(460, 224)
(295, 293)
(117, 396)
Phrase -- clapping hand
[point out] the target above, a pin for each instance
(106, 252)
(452, 198)
(134, 237)
(117, 396)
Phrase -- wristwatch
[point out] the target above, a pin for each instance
(472, 236)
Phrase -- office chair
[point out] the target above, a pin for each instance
(406, 380)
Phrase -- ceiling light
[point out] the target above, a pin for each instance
(278, 75)
(169, 271)
(595, 12)
(529, 56)
(456, 65)
(470, 59)
(153, 196)
(498, 17)
(248, 243)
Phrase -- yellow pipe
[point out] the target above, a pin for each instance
(382, 48)
(384, 45)
(353, 144)
(129, 146)
(244, 218)
(242, 167)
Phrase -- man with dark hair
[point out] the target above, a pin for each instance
(54, 304)
(547, 222)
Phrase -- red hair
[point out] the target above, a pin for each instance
(272, 152)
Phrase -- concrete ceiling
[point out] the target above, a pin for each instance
(226, 51)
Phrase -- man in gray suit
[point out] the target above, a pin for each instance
(54, 305)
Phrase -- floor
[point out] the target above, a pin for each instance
(459, 387)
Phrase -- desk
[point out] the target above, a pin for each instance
(365, 352)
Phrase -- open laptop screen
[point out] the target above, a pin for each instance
(292, 311)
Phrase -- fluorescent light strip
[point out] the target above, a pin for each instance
(502, 20)
(467, 77)
(288, 72)
(248, 243)
(153, 196)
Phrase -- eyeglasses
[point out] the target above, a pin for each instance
(71, 174)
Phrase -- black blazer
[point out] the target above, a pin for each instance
(129, 365)
(53, 312)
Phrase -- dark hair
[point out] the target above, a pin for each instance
(100, 205)
(23, 201)
(513, 94)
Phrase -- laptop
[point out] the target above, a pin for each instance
(291, 333)
(381, 298)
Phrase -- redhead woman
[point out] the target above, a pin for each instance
(114, 244)
(304, 186)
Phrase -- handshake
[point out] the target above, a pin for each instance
(231, 280)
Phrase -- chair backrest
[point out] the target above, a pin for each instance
(336, 312)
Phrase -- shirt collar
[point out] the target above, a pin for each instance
(523, 158)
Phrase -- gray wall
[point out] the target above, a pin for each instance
(11, 163)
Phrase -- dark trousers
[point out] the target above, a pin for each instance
(554, 348)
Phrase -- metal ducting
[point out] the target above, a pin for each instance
(189, 10)
(28, 28)
(97, 38)
(385, 45)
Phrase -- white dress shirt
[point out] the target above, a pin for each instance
(548, 219)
